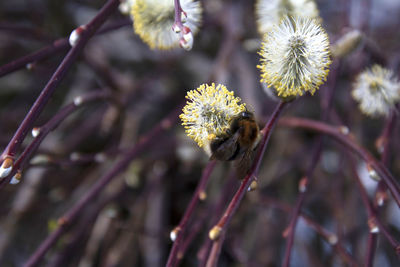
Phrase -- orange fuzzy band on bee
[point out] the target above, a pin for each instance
(247, 127)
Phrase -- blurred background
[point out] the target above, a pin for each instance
(129, 222)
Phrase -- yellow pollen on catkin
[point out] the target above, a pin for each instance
(209, 112)
(295, 57)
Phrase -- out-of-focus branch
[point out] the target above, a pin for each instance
(86, 33)
(330, 237)
(383, 146)
(51, 125)
(57, 46)
(119, 167)
(179, 231)
(326, 103)
(342, 135)
(374, 223)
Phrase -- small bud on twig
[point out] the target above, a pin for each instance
(333, 239)
(253, 186)
(39, 159)
(29, 66)
(75, 156)
(373, 227)
(286, 232)
(78, 101)
(35, 131)
(344, 130)
(16, 178)
(381, 198)
(174, 233)
(100, 157)
(215, 232)
(75, 35)
(6, 167)
(346, 44)
(202, 195)
(372, 173)
(303, 183)
(380, 144)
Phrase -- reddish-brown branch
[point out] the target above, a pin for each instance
(51, 125)
(383, 145)
(119, 167)
(56, 79)
(326, 103)
(330, 237)
(340, 133)
(57, 46)
(180, 230)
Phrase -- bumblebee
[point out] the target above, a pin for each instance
(238, 142)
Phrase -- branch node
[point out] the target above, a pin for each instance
(373, 226)
(16, 178)
(202, 195)
(6, 167)
(253, 186)
(174, 233)
(332, 239)
(303, 183)
(35, 131)
(344, 130)
(62, 221)
(215, 232)
(75, 35)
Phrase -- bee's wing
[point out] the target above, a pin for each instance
(227, 149)
(243, 164)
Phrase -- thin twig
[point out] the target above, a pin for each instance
(51, 125)
(55, 80)
(213, 257)
(119, 167)
(341, 134)
(180, 230)
(373, 219)
(330, 237)
(326, 104)
(383, 145)
(57, 46)
(228, 190)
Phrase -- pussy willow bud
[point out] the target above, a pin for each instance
(346, 44)
(153, 21)
(6, 167)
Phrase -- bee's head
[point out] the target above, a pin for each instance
(246, 115)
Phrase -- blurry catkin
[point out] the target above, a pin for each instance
(376, 90)
(153, 21)
(271, 12)
(346, 44)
